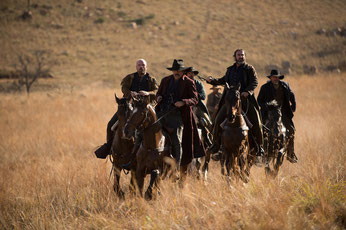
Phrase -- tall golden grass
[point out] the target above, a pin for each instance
(50, 178)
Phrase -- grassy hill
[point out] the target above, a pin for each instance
(95, 40)
(50, 178)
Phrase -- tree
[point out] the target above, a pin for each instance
(31, 67)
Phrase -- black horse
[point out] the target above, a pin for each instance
(275, 141)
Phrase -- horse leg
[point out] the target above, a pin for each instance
(183, 174)
(222, 163)
(206, 165)
(132, 187)
(116, 186)
(153, 185)
(140, 175)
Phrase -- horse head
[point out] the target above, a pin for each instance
(140, 117)
(232, 101)
(274, 118)
(124, 109)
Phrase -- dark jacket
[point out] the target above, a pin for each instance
(249, 82)
(201, 96)
(187, 94)
(267, 94)
(126, 84)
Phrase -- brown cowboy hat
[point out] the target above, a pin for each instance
(191, 69)
(178, 65)
(276, 73)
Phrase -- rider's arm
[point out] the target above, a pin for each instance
(200, 90)
(292, 99)
(261, 98)
(192, 95)
(253, 80)
(126, 85)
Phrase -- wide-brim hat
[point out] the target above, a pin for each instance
(215, 87)
(276, 73)
(192, 69)
(178, 65)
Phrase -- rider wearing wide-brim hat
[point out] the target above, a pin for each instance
(179, 91)
(276, 89)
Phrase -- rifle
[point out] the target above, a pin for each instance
(202, 78)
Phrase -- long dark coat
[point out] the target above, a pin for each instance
(188, 94)
(267, 94)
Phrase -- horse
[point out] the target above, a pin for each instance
(234, 139)
(152, 156)
(275, 141)
(121, 147)
(201, 165)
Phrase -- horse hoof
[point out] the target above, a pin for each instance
(148, 196)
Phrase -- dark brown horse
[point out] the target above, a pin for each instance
(275, 141)
(152, 155)
(235, 137)
(121, 147)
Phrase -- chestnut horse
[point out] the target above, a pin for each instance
(235, 142)
(121, 147)
(152, 156)
(275, 141)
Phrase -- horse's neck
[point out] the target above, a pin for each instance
(152, 137)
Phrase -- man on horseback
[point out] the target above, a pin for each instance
(245, 75)
(200, 110)
(213, 101)
(175, 97)
(278, 90)
(134, 84)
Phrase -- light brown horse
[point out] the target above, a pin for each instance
(121, 147)
(152, 156)
(235, 137)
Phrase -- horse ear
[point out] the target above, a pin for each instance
(116, 98)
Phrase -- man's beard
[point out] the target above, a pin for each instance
(141, 72)
(240, 61)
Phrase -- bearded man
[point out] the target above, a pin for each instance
(244, 74)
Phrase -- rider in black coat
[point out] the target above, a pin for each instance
(278, 90)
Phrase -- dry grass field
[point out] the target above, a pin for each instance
(51, 179)
(49, 176)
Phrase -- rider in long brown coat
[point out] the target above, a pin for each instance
(178, 92)
(245, 75)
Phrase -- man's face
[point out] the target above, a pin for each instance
(240, 57)
(215, 91)
(177, 74)
(275, 80)
(141, 67)
(190, 75)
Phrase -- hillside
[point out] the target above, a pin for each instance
(95, 41)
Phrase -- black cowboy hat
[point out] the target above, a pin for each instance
(191, 69)
(178, 65)
(276, 73)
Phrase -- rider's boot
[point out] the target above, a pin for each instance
(291, 156)
(104, 150)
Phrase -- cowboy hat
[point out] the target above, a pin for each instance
(178, 65)
(191, 69)
(275, 73)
